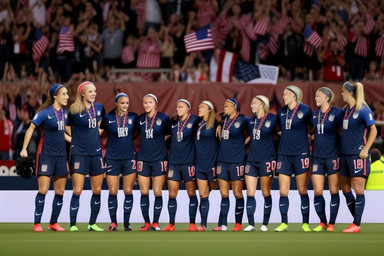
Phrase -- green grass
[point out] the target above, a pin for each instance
(19, 239)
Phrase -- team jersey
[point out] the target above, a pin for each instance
(182, 140)
(327, 139)
(120, 135)
(294, 135)
(85, 131)
(206, 147)
(355, 124)
(52, 123)
(152, 133)
(232, 148)
(262, 146)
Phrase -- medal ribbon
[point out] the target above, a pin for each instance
(185, 122)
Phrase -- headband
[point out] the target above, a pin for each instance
(350, 87)
(263, 99)
(235, 103)
(185, 101)
(120, 95)
(209, 104)
(80, 88)
(295, 90)
(152, 96)
(54, 88)
(327, 92)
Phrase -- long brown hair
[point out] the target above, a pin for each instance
(50, 100)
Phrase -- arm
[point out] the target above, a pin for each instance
(371, 138)
(27, 139)
(67, 138)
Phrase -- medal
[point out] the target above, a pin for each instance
(122, 131)
(225, 131)
(180, 128)
(149, 131)
(320, 124)
(257, 131)
(60, 123)
(346, 118)
(288, 121)
(203, 123)
(92, 122)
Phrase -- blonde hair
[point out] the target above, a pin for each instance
(265, 101)
(211, 119)
(359, 96)
(297, 91)
(78, 105)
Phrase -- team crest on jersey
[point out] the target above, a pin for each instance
(315, 167)
(98, 112)
(300, 115)
(170, 173)
(218, 170)
(247, 168)
(268, 124)
(237, 124)
(189, 125)
(44, 168)
(331, 118)
(355, 114)
(278, 166)
(129, 121)
(76, 165)
(158, 121)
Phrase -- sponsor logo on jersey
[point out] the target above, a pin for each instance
(158, 121)
(268, 124)
(82, 115)
(237, 124)
(331, 118)
(141, 123)
(50, 117)
(300, 114)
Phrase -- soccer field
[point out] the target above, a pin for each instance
(19, 239)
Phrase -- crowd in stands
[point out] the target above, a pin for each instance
(88, 40)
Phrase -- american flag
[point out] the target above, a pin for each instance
(205, 14)
(149, 55)
(222, 66)
(200, 40)
(261, 26)
(66, 41)
(312, 40)
(128, 54)
(341, 39)
(40, 45)
(361, 47)
(379, 49)
(257, 74)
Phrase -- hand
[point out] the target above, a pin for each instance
(24, 153)
(363, 153)
(218, 132)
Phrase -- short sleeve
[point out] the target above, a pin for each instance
(367, 116)
(39, 118)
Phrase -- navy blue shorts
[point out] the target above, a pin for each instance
(260, 169)
(124, 167)
(230, 171)
(178, 172)
(52, 165)
(322, 166)
(206, 175)
(289, 165)
(353, 166)
(152, 169)
(92, 165)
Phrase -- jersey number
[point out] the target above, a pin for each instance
(92, 123)
(133, 164)
(305, 163)
(271, 166)
(358, 163)
(164, 166)
(191, 171)
(336, 164)
(240, 170)
(139, 166)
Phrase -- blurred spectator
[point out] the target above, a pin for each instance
(333, 61)
(6, 130)
(373, 72)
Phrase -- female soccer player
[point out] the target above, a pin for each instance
(84, 118)
(355, 164)
(325, 156)
(51, 159)
(152, 159)
(261, 160)
(293, 153)
(181, 163)
(206, 146)
(120, 157)
(230, 162)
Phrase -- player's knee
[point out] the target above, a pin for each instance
(158, 192)
(96, 190)
(127, 191)
(43, 191)
(77, 191)
(113, 190)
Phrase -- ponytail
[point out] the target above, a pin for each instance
(359, 95)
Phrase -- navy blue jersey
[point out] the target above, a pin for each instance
(52, 125)
(120, 135)
(294, 135)
(232, 148)
(152, 133)
(355, 124)
(85, 131)
(327, 139)
(262, 146)
(206, 147)
(182, 140)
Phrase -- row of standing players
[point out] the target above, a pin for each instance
(197, 158)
